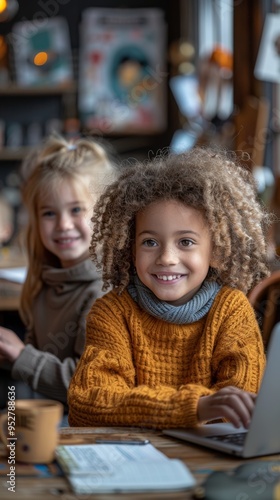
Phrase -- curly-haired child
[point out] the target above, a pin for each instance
(62, 180)
(176, 342)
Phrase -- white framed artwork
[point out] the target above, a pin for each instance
(267, 67)
(122, 74)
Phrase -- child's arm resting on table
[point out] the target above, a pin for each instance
(104, 390)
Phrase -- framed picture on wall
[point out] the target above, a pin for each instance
(42, 53)
(122, 74)
(268, 61)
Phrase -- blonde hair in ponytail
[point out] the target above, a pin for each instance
(83, 162)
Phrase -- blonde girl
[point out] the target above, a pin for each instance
(176, 342)
(62, 183)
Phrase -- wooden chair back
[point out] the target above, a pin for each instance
(265, 299)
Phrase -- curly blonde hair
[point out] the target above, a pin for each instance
(87, 166)
(209, 181)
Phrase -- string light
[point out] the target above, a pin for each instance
(3, 5)
(8, 9)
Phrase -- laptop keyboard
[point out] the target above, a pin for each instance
(237, 439)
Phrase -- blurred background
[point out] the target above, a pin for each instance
(143, 75)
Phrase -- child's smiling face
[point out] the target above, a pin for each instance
(64, 223)
(172, 251)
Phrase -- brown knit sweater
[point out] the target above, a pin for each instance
(137, 370)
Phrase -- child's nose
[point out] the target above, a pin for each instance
(64, 222)
(167, 256)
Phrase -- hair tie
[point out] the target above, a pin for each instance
(71, 147)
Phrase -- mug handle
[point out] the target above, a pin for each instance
(3, 429)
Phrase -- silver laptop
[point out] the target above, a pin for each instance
(263, 436)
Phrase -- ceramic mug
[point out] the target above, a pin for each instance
(30, 431)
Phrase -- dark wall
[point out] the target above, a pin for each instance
(39, 10)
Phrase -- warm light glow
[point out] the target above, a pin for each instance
(40, 59)
(3, 47)
(3, 5)
(8, 9)
(222, 57)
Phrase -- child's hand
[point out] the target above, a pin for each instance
(230, 403)
(10, 345)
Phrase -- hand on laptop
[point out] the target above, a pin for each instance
(230, 403)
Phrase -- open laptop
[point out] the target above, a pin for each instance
(263, 436)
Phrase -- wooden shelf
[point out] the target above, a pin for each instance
(14, 94)
(13, 89)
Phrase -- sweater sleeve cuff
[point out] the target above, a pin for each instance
(191, 402)
(24, 367)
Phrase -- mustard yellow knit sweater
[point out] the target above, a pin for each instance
(137, 370)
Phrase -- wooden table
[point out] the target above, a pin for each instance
(200, 461)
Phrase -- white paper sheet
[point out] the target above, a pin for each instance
(157, 475)
(15, 274)
(102, 458)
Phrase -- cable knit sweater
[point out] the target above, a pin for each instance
(137, 370)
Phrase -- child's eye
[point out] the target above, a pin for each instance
(76, 210)
(48, 213)
(149, 243)
(186, 243)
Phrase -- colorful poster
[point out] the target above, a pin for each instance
(42, 53)
(122, 73)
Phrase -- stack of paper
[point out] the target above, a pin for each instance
(110, 468)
